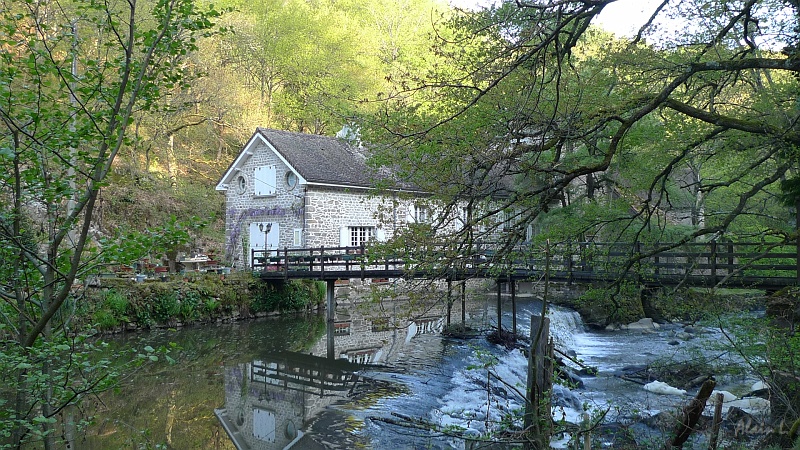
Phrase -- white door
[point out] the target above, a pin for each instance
(267, 233)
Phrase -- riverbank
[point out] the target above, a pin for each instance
(124, 305)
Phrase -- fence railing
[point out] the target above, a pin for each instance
(707, 264)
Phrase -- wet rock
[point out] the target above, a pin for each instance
(674, 343)
(666, 420)
(751, 405)
(759, 389)
(564, 398)
(696, 381)
(662, 421)
(684, 336)
(568, 375)
(629, 370)
(641, 324)
(742, 423)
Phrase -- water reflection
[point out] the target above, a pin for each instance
(269, 401)
(273, 401)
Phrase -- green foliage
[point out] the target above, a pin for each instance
(770, 349)
(618, 304)
(294, 295)
(59, 371)
(112, 311)
(166, 239)
(78, 75)
(202, 299)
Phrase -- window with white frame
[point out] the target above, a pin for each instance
(241, 184)
(297, 237)
(354, 236)
(361, 235)
(505, 219)
(421, 214)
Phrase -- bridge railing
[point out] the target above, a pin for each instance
(707, 263)
(321, 259)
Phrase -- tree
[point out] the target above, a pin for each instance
(73, 77)
(534, 106)
(537, 120)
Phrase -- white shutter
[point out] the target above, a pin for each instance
(274, 236)
(265, 180)
(410, 213)
(344, 237)
(297, 237)
(380, 235)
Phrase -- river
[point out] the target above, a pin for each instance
(271, 382)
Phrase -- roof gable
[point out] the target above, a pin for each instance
(316, 159)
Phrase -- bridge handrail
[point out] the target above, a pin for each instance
(713, 260)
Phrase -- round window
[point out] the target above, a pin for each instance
(241, 184)
(291, 180)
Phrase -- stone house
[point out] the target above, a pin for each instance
(292, 190)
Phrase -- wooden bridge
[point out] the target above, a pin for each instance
(769, 266)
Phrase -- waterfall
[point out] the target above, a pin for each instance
(564, 325)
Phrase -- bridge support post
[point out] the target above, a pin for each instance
(330, 310)
(499, 308)
(513, 305)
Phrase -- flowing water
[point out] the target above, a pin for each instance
(389, 378)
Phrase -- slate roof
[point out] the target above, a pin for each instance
(322, 159)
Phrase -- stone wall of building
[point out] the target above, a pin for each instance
(243, 208)
(330, 209)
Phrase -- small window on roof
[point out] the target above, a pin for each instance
(241, 184)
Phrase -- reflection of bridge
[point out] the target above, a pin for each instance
(753, 265)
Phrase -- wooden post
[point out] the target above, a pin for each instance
(657, 262)
(499, 310)
(712, 445)
(537, 407)
(713, 261)
(513, 305)
(449, 299)
(321, 262)
(286, 263)
(330, 305)
(570, 265)
(545, 295)
(797, 241)
(464, 304)
(587, 434)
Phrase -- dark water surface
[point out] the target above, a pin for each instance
(272, 382)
